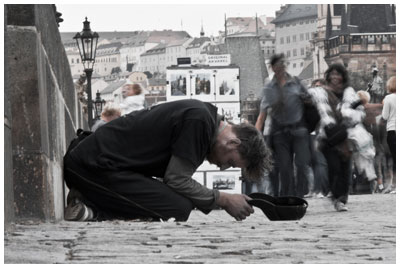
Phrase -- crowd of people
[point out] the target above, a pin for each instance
(306, 142)
(351, 140)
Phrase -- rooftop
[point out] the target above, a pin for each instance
(294, 12)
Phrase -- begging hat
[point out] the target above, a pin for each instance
(285, 208)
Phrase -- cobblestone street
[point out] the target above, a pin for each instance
(364, 234)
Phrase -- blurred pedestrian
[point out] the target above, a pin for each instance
(318, 161)
(365, 163)
(108, 114)
(288, 131)
(376, 87)
(389, 114)
(133, 98)
(339, 120)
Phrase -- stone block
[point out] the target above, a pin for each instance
(21, 15)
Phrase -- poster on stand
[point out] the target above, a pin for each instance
(225, 181)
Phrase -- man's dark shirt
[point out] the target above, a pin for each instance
(144, 141)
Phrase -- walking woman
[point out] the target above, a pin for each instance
(341, 119)
(389, 114)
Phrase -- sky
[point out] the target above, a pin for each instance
(174, 16)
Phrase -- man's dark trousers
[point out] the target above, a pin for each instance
(125, 194)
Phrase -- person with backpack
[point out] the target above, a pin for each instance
(284, 99)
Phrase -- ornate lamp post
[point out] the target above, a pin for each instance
(87, 45)
(98, 105)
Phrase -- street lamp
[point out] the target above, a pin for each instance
(87, 44)
(98, 105)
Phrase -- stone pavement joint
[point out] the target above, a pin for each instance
(364, 234)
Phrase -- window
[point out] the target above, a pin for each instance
(294, 38)
(371, 39)
(301, 64)
(294, 52)
(307, 36)
(288, 54)
(77, 60)
(301, 37)
(72, 61)
(302, 51)
(287, 39)
(294, 65)
(356, 39)
(282, 40)
(385, 39)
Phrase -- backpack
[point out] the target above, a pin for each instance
(81, 134)
(311, 114)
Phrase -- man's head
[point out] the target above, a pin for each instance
(131, 90)
(391, 85)
(110, 113)
(278, 64)
(318, 83)
(364, 96)
(241, 146)
(374, 71)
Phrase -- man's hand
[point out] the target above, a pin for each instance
(236, 205)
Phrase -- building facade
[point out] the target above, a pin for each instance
(108, 58)
(295, 27)
(176, 49)
(366, 40)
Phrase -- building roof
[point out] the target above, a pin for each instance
(295, 12)
(363, 19)
(68, 36)
(243, 21)
(307, 72)
(113, 86)
(166, 36)
(370, 18)
(159, 49)
(198, 42)
(108, 49)
(126, 37)
(178, 42)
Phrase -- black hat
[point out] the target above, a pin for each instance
(284, 208)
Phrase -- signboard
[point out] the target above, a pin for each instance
(219, 60)
(184, 61)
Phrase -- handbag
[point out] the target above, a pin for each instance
(310, 113)
(335, 133)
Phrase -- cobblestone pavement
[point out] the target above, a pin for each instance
(364, 234)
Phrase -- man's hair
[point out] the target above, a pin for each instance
(253, 150)
(341, 70)
(111, 111)
(137, 88)
(275, 58)
(391, 85)
(364, 96)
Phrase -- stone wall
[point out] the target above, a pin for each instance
(246, 53)
(44, 109)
